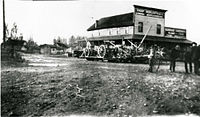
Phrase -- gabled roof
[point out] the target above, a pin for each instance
(113, 21)
(62, 45)
(53, 46)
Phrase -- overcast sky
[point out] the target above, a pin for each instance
(46, 20)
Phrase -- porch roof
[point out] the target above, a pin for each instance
(140, 37)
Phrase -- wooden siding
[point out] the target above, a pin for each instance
(147, 22)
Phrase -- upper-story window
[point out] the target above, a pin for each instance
(140, 26)
(158, 31)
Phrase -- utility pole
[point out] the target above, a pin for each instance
(4, 24)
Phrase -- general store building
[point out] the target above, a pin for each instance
(133, 27)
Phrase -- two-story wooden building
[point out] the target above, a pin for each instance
(133, 27)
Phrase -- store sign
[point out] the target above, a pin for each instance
(149, 12)
(175, 33)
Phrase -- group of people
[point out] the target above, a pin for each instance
(191, 56)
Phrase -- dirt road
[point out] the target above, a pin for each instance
(96, 88)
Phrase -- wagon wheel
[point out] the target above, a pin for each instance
(101, 51)
(87, 52)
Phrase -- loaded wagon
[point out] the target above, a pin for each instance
(121, 51)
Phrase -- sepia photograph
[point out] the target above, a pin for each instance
(100, 58)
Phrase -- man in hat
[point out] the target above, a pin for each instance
(152, 57)
(188, 59)
(173, 56)
(195, 57)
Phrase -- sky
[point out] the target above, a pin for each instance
(46, 20)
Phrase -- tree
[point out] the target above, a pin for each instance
(13, 42)
(13, 33)
(59, 39)
(31, 45)
(54, 41)
(59, 42)
(72, 41)
(6, 32)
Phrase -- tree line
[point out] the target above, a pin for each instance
(31, 45)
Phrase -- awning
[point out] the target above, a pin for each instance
(140, 37)
(163, 39)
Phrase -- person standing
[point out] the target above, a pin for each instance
(152, 58)
(195, 57)
(198, 59)
(188, 59)
(173, 56)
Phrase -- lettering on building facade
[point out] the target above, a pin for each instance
(175, 33)
(149, 12)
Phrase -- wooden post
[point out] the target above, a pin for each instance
(4, 24)
(144, 37)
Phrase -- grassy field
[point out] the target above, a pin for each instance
(65, 86)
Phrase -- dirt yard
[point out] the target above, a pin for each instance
(55, 86)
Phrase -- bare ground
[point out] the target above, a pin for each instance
(64, 86)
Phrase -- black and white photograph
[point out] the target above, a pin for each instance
(100, 58)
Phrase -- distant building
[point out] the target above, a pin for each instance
(24, 49)
(51, 49)
(133, 26)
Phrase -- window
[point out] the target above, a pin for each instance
(158, 29)
(140, 26)
(126, 31)
(109, 32)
